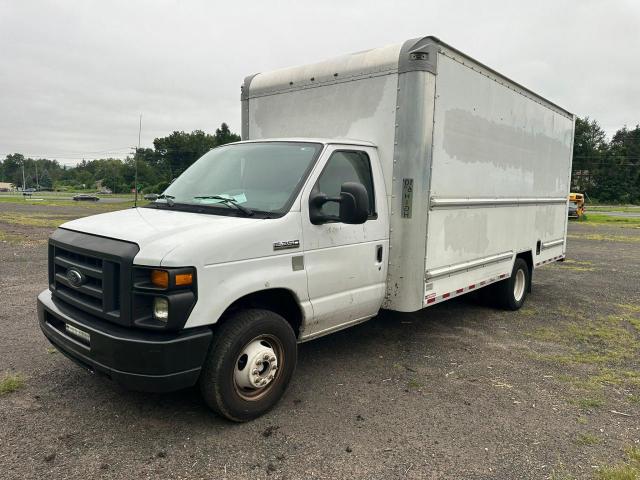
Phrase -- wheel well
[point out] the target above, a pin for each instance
(528, 257)
(279, 300)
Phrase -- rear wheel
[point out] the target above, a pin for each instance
(512, 292)
(249, 365)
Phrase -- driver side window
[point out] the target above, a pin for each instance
(345, 166)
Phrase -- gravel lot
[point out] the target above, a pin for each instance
(459, 390)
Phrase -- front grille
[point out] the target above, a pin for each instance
(97, 272)
(105, 270)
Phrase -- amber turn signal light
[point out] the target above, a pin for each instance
(160, 278)
(183, 279)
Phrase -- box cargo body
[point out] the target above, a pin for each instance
(476, 167)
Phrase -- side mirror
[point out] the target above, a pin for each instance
(354, 205)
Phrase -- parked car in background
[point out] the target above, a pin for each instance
(85, 197)
(151, 196)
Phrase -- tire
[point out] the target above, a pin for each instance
(511, 293)
(228, 377)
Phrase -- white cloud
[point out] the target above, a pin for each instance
(76, 74)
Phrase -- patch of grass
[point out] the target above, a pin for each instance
(586, 439)
(582, 420)
(575, 268)
(31, 220)
(413, 384)
(634, 399)
(614, 208)
(588, 403)
(570, 261)
(605, 238)
(608, 219)
(10, 238)
(527, 312)
(629, 470)
(11, 383)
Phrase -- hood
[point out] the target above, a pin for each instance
(145, 225)
(176, 238)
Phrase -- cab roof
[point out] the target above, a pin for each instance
(324, 141)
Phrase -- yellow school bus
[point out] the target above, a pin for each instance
(576, 205)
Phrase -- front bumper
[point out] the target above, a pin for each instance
(138, 360)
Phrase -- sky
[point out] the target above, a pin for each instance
(76, 75)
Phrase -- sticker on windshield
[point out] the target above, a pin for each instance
(242, 198)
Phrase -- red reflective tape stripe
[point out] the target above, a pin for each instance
(460, 290)
(472, 286)
(503, 275)
(431, 300)
(446, 295)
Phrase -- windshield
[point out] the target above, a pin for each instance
(261, 177)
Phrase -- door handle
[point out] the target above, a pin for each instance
(379, 253)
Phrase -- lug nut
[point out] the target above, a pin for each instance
(258, 362)
(256, 372)
(272, 359)
(265, 357)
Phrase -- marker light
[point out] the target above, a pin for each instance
(183, 279)
(160, 278)
(161, 309)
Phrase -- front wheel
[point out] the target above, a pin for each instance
(249, 365)
(512, 292)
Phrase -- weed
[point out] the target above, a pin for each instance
(414, 384)
(11, 383)
(586, 439)
(629, 470)
(588, 403)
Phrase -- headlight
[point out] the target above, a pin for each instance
(161, 309)
(165, 279)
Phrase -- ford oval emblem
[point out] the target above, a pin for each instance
(75, 278)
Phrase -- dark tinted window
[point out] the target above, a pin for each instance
(345, 166)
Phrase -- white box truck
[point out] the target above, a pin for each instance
(394, 178)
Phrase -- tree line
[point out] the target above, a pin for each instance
(606, 170)
(157, 166)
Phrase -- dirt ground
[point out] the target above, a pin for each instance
(459, 390)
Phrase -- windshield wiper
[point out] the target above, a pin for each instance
(227, 201)
(168, 198)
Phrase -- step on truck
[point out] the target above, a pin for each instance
(395, 178)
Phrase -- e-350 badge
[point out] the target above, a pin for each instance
(286, 244)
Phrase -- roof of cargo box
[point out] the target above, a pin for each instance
(417, 54)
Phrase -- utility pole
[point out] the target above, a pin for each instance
(135, 160)
(35, 162)
(23, 182)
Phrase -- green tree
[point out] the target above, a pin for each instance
(589, 151)
(224, 135)
(45, 180)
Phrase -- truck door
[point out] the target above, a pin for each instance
(346, 264)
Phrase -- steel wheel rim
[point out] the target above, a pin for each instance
(255, 393)
(519, 285)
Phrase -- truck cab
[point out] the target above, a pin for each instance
(133, 294)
